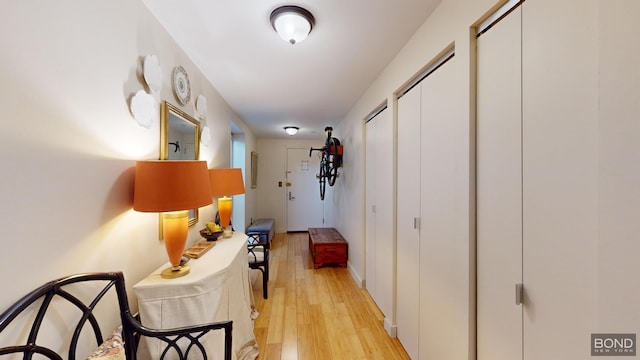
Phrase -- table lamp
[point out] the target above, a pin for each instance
(172, 187)
(224, 183)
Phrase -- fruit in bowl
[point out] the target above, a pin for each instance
(210, 235)
(212, 231)
(213, 227)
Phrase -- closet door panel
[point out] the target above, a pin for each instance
(619, 158)
(385, 252)
(444, 232)
(370, 215)
(560, 177)
(408, 213)
(499, 190)
(379, 252)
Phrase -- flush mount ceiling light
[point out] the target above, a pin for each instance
(292, 23)
(291, 130)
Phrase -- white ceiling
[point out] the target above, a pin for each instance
(271, 83)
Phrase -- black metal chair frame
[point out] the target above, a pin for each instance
(38, 301)
(255, 245)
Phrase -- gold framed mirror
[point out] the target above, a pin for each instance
(179, 140)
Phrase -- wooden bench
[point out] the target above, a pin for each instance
(265, 228)
(327, 247)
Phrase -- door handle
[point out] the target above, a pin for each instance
(291, 197)
(519, 294)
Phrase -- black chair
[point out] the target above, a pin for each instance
(181, 342)
(258, 251)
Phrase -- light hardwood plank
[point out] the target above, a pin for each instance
(276, 323)
(316, 314)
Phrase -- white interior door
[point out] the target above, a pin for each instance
(499, 190)
(379, 215)
(619, 162)
(385, 234)
(304, 207)
(561, 150)
(560, 176)
(370, 211)
(408, 222)
(445, 265)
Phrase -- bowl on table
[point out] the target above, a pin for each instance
(210, 235)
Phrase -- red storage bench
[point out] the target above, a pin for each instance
(327, 247)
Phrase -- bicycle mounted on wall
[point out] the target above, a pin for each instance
(330, 161)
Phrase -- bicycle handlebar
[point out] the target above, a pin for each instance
(312, 150)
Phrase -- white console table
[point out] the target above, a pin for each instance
(216, 289)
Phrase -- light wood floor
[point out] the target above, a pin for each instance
(316, 314)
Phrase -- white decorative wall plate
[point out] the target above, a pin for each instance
(152, 72)
(201, 106)
(143, 108)
(181, 85)
(205, 136)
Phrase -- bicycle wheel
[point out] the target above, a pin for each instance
(334, 161)
(322, 177)
(332, 175)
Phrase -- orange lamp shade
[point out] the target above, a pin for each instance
(226, 182)
(170, 185)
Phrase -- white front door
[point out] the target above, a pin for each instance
(304, 207)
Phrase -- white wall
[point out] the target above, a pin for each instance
(69, 143)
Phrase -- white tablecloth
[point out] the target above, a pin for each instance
(216, 289)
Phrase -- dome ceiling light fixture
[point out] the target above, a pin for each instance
(291, 130)
(292, 23)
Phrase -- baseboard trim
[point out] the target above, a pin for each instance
(391, 329)
(355, 276)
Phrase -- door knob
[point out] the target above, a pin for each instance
(291, 197)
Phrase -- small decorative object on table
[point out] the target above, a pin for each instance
(210, 235)
(198, 249)
(212, 232)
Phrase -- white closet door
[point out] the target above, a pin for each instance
(444, 231)
(560, 177)
(385, 235)
(499, 190)
(408, 216)
(379, 213)
(619, 161)
(370, 210)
